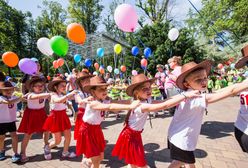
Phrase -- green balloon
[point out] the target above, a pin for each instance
(59, 45)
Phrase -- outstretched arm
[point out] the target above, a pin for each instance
(39, 96)
(226, 92)
(10, 101)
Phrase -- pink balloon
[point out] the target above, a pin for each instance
(126, 17)
(134, 72)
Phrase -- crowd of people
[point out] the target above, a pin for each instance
(90, 97)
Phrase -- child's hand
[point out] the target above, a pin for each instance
(74, 92)
(88, 100)
(135, 104)
(192, 94)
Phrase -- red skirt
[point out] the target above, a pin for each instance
(32, 121)
(129, 147)
(90, 140)
(79, 121)
(57, 121)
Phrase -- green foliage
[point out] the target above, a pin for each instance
(86, 12)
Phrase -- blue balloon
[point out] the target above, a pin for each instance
(232, 66)
(147, 52)
(116, 71)
(100, 52)
(34, 59)
(135, 50)
(88, 62)
(77, 58)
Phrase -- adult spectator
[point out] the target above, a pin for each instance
(160, 76)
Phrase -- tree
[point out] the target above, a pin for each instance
(86, 12)
(156, 10)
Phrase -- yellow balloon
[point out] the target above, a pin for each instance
(117, 48)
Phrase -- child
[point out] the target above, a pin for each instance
(8, 107)
(58, 122)
(90, 140)
(241, 124)
(34, 115)
(129, 144)
(186, 124)
(82, 79)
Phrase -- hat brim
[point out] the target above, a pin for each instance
(51, 84)
(6, 88)
(130, 88)
(180, 79)
(241, 62)
(82, 78)
(28, 83)
(87, 88)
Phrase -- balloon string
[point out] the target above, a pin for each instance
(67, 67)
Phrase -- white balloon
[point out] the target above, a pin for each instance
(95, 73)
(109, 68)
(173, 34)
(43, 45)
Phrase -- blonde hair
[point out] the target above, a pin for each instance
(177, 59)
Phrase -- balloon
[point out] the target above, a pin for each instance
(55, 64)
(101, 70)
(77, 58)
(246, 74)
(109, 68)
(117, 48)
(48, 78)
(95, 73)
(123, 68)
(34, 59)
(60, 62)
(28, 66)
(232, 66)
(135, 50)
(43, 44)
(134, 72)
(220, 66)
(87, 62)
(173, 34)
(76, 33)
(59, 45)
(143, 62)
(126, 17)
(66, 74)
(116, 71)
(147, 52)
(10, 59)
(96, 65)
(100, 52)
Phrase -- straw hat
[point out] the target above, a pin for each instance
(6, 85)
(188, 68)
(55, 81)
(81, 76)
(34, 79)
(242, 61)
(95, 81)
(136, 81)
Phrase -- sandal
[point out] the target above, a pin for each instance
(68, 155)
(24, 158)
(85, 163)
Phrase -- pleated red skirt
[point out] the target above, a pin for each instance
(90, 140)
(129, 147)
(57, 121)
(32, 121)
(79, 121)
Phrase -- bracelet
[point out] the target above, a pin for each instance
(184, 95)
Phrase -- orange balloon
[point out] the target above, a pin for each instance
(48, 78)
(220, 66)
(101, 70)
(143, 62)
(123, 68)
(10, 59)
(96, 65)
(76, 33)
(60, 62)
(55, 64)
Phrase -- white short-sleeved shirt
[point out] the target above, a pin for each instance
(186, 124)
(7, 111)
(35, 103)
(82, 95)
(57, 106)
(137, 118)
(94, 117)
(242, 118)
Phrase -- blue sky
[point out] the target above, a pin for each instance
(179, 11)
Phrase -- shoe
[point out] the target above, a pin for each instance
(68, 155)
(85, 163)
(2, 155)
(16, 158)
(24, 158)
(47, 153)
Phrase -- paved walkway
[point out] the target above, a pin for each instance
(216, 148)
